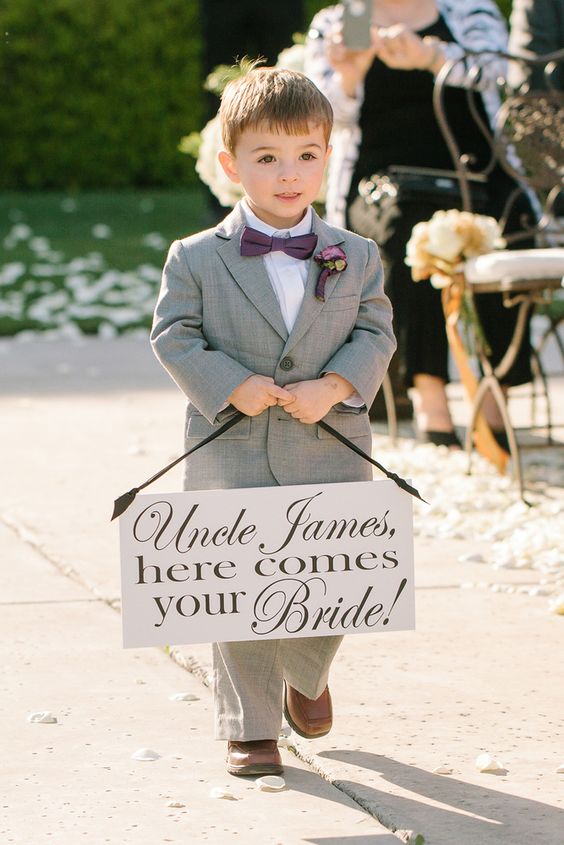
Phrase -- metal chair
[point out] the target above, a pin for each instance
(527, 144)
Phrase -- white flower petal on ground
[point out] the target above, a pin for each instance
(471, 557)
(539, 591)
(270, 783)
(11, 272)
(220, 792)
(286, 738)
(557, 605)
(154, 240)
(39, 245)
(175, 804)
(101, 231)
(42, 717)
(560, 770)
(149, 272)
(442, 770)
(42, 309)
(12, 306)
(145, 755)
(106, 331)
(183, 696)
(20, 232)
(487, 763)
(53, 257)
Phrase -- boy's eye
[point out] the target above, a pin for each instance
(308, 156)
(267, 159)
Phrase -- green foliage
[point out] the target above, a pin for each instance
(190, 144)
(505, 6)
(311, 8)
(97, 93)
(223, 74)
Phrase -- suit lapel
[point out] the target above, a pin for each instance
(312, 307)
(249, 271)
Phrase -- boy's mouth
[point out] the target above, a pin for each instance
(289, 195)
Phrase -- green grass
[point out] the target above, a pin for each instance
(47, 240)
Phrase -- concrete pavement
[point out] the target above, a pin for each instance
(81, 423)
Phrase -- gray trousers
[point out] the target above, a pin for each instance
(248, 682)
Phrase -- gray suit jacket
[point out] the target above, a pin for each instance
(217, 321)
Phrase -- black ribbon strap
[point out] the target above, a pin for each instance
(401, 482)
(123, 502)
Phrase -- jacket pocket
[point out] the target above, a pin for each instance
(341, 303)
(198, 426)
(350, 424)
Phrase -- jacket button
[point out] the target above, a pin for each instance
(286, 364)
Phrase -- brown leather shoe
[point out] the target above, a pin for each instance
(308, 717)
(257, 757)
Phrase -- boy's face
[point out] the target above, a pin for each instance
(281, 173)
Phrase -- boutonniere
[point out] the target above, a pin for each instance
(332, 259)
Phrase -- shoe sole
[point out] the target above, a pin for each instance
(293, 724)
(246, 771)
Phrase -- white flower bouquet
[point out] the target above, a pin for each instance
(208, 167)
(438, 247)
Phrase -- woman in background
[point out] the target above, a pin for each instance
(382, 99)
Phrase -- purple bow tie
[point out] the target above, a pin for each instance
(254, 242)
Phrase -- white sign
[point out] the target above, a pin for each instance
(267, 563)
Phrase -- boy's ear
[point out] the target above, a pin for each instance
(228, 164)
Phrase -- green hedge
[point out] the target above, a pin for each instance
(98, 92)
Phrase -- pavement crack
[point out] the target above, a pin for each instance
(364, 804)
(27, 536)
(48, 601)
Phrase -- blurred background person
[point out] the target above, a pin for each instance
(536, 26)
(382, 97)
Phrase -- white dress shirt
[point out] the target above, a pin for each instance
(288, 276)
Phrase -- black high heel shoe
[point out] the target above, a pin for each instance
(440, 438)
(502, 439)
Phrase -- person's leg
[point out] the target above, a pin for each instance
(247, 685)
(248, 682)
(430, 404)
(419, 325)
(306, 663)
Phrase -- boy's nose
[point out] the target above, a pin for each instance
(288, 176)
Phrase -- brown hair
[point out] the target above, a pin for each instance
(284, 99)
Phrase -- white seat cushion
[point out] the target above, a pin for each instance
(505, 265)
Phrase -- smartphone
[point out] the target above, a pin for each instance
(357, 17)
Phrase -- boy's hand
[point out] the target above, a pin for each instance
(256, 394)
(312, 400)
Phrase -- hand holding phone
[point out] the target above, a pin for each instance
(357, 19)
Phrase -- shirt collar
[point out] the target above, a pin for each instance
(304, 227)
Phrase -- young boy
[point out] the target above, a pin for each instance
(238, 326)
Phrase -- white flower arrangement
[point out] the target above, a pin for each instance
(438, 247)
(206, 145)
(210, 170)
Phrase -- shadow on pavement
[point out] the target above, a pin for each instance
(448, 810)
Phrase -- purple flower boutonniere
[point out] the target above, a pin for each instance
(332, 260)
